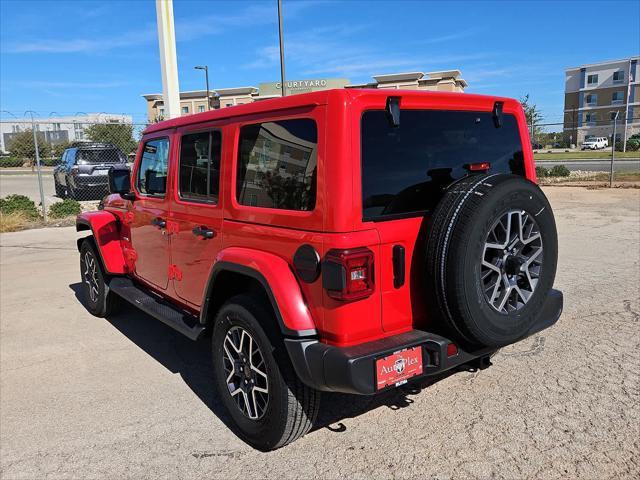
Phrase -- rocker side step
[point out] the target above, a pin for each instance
(177, 319)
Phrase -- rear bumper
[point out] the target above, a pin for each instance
(352, 369)
(91, 181)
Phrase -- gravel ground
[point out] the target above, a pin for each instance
(82, 397)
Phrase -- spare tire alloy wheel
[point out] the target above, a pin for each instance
(512, 259)
(245, 369)
(491, 259)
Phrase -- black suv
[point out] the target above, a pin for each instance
(83, 170)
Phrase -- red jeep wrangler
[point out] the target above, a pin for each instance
(344, 241)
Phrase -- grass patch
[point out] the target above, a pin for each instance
(14, 221)
(581, 155)
(592, 178)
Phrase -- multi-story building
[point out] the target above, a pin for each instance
(196, 101)
(57, 130)
(595, 94)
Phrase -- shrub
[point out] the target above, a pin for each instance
(633, 143)
(50, 162)
(65, 208)
(542, 172)
(8, 162)
(559, 171)
(18, 204)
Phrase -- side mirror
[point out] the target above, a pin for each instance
(120, 181)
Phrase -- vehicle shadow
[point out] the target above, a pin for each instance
(193, 362)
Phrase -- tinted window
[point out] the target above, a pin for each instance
(101, 155)
(405, 169)
(200, 166)
(277, 165)
(152, 174)
(71, 157)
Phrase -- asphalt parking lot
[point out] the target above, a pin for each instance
(82, 397)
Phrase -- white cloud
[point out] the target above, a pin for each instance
(84, 45)
(346, 50)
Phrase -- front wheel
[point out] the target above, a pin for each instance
(98, 299)
(60, 190)
(255, 380)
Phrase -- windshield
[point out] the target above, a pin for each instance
(406, 168)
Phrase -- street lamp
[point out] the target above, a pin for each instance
(206, 76)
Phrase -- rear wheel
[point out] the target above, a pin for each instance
(491, 258)
(255, 380)
(99, 300)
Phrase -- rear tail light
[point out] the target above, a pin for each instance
(452, 350)
(348, 274)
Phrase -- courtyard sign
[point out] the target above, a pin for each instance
(302, 86)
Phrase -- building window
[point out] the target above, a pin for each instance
(617, 97)
(266, 176)
(612, 115)
(592, 99)
(590, 118)
(592, 79)
(185, 110)
(200, 108)
(200, 166)
(162, 112)
(618, 77)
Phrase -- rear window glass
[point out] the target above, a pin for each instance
(277, 165)
(106, 155)
(406, 168)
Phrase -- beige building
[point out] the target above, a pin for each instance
(595, 93)
(195, 101)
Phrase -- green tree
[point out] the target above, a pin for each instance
(21, 146)
(533, 115)
(118, 134)
(58, 149)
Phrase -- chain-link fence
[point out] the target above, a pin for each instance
(74, 157)
(52, 161)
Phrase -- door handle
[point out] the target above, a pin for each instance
(203, 232)
(159, 222)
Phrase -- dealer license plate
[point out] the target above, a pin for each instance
(397, 368)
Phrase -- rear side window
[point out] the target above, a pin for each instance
(277, 165)
(152, 173)
(200, 166)
(405, 169)
(101, 155)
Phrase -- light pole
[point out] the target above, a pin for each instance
(35, 144)
(281, 36)
(206, 77)
(613, 147)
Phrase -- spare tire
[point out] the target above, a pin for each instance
(492, 250)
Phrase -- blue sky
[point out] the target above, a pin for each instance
(70, 56)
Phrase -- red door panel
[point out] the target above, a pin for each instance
(149, 211)
(150, 242)
(196, 212)
(192, 254)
